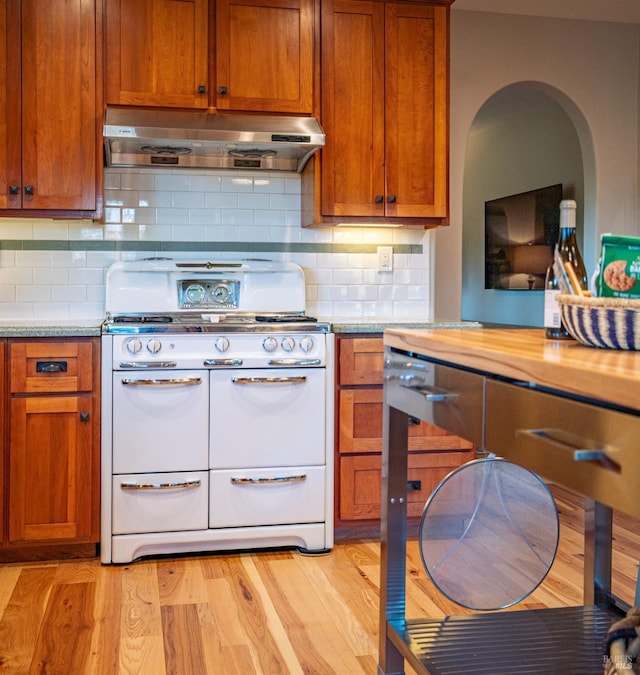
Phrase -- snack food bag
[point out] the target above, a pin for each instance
(619, 267)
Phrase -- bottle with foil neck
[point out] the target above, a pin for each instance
(569, 252)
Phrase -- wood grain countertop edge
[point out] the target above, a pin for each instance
(610, 376)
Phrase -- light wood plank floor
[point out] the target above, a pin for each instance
(264, 612)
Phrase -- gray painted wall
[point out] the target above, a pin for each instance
(521, 140)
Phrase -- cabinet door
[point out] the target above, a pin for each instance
(157, 53)
(10, 113)
(353, 80)
(416, 112)
(59, 111)
(385, 102)
(265, 55)
(52, 469)
(2, 436)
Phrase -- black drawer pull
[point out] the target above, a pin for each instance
(413, 420)
(51, 366)
(414, 485)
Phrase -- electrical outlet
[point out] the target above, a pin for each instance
(385, 258)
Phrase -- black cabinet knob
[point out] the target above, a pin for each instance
(84, 417)
(14, 189)
(202, 89)
(391, 199)
(222, 90)
(28, 189)
(379, 199)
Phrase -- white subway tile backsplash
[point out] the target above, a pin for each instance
(32, 293)
(68, 293)
(47, 275)
(7, 294)
(137, 180)
(259, 212)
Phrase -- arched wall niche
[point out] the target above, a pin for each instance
(525, 136)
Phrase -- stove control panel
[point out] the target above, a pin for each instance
(245, 350)
(208, 293)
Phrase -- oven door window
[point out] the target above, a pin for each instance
(267, 417)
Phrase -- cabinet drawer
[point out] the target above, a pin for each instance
(361, 361)
(40, 367)
(361, 426)
(587, 448)
(449, 398)
(361, 481)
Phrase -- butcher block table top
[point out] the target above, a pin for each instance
(606, 375)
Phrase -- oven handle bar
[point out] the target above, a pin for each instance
(222, 362)
(187, 381)
(148, 364)
(186, 485)
(299, 379)
(295, 362)
(269, 481)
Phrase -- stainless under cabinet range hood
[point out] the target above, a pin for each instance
(199, 140)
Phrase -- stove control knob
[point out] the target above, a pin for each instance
(154, 346)
(222, 344)
(306, 344)
(270, 344)
(288, 344)
(134, 346)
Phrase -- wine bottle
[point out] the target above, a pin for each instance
(553, 327)
(568, 250)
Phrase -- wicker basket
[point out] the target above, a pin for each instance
(612, 323)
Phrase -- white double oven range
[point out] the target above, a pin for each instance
(217, 413)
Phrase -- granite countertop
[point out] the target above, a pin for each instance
(375, 324)
(26, 328)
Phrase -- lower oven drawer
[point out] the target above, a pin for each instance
(160, 502)
(587, 448)
(277, 496)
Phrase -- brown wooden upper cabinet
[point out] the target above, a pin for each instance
(261, 58)
(264, 55)
(384, 85)
(50, 107)
(157, 53)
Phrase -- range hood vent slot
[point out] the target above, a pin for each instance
(199, 140)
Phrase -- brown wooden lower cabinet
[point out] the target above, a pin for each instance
(433, 453)
(361, 481)
(52, 444)
(51, 480)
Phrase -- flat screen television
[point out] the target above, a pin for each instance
(521, 231)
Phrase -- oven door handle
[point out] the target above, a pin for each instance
(187, 381)
(269, 481)
(212, 363)
(186, 485)
(148, 364)
(298, 379)
(295, 362)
